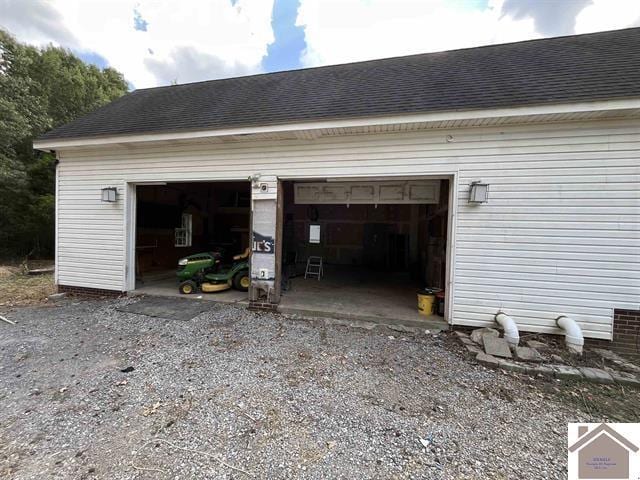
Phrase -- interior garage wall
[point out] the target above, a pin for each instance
(220, 217)
(560, 234)
(414, 235)
(343, 229)
(158, 213)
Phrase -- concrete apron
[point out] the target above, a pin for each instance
(433, 324)
(346, 317)
(228, 297)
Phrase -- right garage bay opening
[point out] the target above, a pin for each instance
(365, 249)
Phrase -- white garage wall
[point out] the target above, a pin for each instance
(560, 234)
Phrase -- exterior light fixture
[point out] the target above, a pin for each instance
(478, 192)
(109, 194)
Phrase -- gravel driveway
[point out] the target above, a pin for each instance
(238, 394)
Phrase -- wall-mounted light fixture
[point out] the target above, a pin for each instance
(478, 192)
(109, 194)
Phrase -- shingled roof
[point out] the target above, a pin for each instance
(577, 68)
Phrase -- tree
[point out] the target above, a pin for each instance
(39, 89)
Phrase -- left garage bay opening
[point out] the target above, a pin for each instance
(174, 221)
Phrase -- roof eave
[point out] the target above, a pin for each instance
(595, 107)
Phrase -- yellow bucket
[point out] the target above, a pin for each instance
(425, 303)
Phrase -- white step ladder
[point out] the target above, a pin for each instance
(314, 268)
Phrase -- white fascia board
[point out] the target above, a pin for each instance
(584, 107)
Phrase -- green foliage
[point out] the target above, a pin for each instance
(39, 89)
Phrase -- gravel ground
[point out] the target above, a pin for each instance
(239, 394)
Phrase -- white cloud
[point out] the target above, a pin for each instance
(203, 39)
(339, 31)
(608, 15)
(40, 22)
(548, 19)
(230, 38)
(189, 65)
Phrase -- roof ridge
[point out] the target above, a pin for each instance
(373, 60)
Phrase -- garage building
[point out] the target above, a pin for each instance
(506, 176)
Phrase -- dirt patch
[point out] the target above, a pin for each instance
(614, 403)
(20, 289)
(556, 346)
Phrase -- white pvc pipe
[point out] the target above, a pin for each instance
(511, 334)
(573, 334)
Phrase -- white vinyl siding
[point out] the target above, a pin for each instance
(559, 235)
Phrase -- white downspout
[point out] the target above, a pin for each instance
(511, 334)
(573, 335)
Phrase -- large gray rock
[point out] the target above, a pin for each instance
(624, 378)
(467, 341)
(478, 333)
(496, 346)
(545, 370)
(473, 348)
(596, 375)
(631, 367)
(528, 354)
(617, 360)
(565, 372)
(487, 360)
(515, 367)
(537, 344)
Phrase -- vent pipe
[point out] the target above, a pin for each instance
(573, 334)
(511, 334)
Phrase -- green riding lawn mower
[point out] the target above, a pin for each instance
(205, 272)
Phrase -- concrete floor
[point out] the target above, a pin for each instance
(346, 293)
(358, 294)
(164, 284)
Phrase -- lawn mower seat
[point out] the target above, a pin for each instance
(244, 255)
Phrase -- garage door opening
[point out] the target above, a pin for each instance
(379, 244)
(176, 220)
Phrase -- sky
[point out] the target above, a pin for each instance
(155, 43)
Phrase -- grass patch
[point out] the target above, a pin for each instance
(18, 289)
